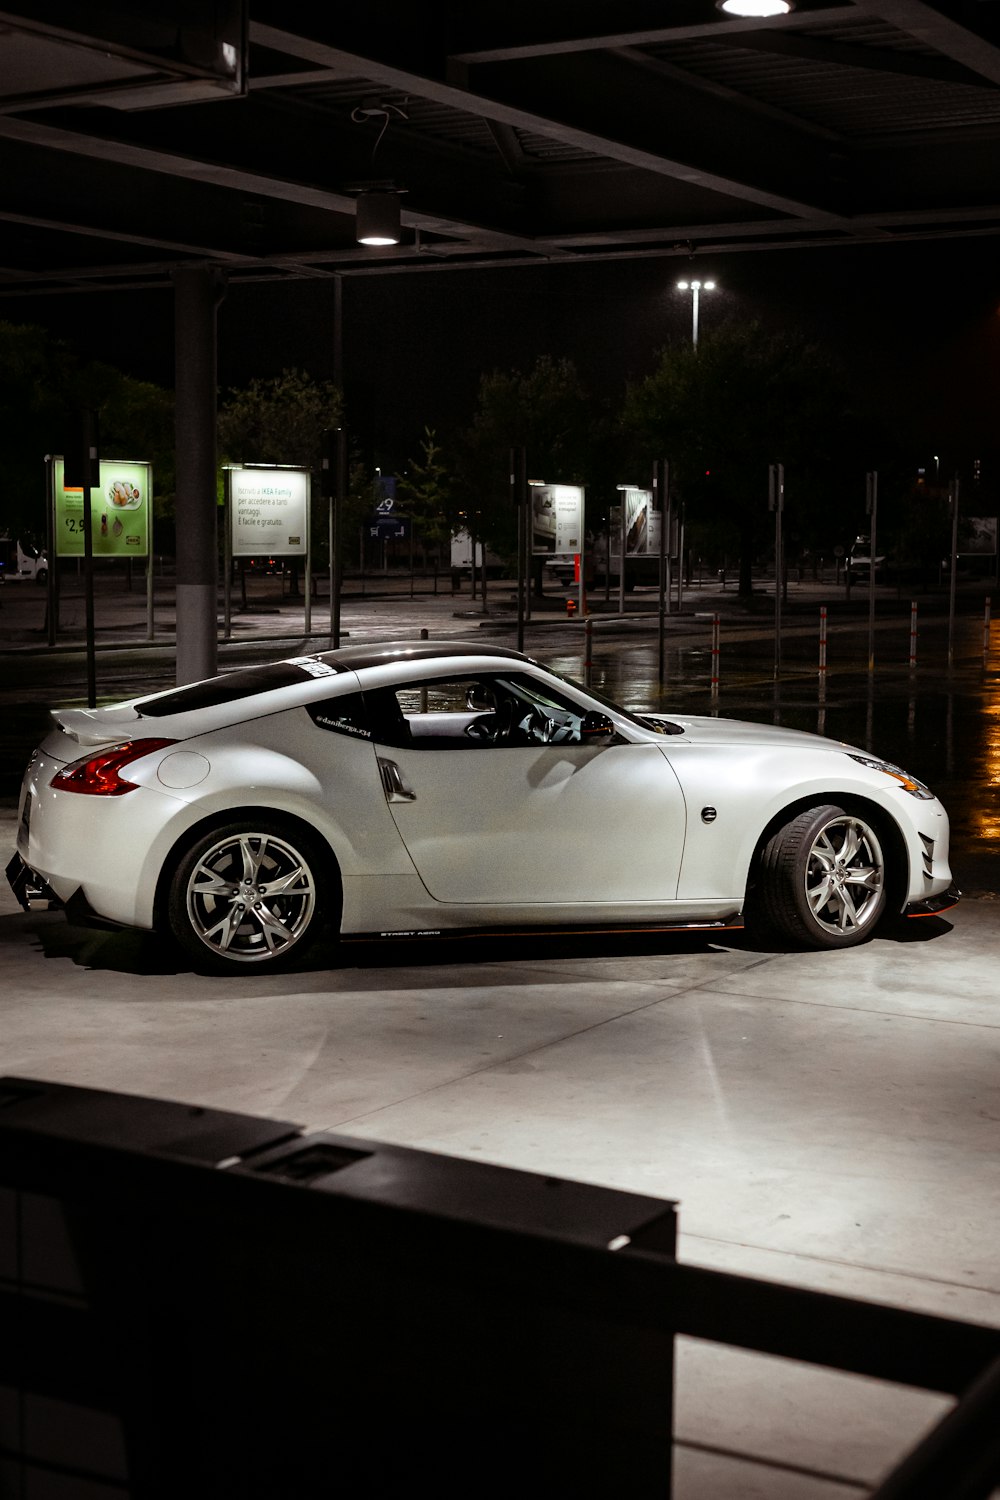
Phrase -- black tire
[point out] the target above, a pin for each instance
(252, 895)
(822, 879)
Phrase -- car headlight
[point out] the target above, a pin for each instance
(908, 783)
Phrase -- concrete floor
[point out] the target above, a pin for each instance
(826, 1120)
(830, 1121)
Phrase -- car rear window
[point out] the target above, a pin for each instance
(246, 682)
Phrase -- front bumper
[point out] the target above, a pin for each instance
(934, 904)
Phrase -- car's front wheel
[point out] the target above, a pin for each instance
(249, 894)
(822, 879)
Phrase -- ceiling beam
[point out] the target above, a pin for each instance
(193, 169)
(954, 39)
(521, 116)
(648, 36)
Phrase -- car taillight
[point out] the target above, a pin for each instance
(100, 775)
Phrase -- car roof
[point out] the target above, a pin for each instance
(264, 688)
(383, 653)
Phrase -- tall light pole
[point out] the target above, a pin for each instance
(695, 288)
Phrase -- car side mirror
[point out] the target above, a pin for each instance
(593, 725)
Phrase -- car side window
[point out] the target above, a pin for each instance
(496, 710)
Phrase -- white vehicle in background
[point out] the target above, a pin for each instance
(21, 559)
(860, 562)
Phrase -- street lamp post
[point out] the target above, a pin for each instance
(695, 288)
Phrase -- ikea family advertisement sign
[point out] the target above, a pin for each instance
(120, 508)
(269, 511)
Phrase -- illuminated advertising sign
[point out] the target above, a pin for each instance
(120, 508)
(980, 536)
(556, 518)
(269, 512)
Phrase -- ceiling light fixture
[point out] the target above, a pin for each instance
(377, 219)
(758, 9)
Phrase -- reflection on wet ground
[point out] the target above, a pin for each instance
(941, 724)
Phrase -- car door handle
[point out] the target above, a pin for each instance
(395, 787)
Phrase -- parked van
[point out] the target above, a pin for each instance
(20, 558)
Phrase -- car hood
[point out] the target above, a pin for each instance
(702, 730)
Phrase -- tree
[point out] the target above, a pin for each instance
(44, 386)
(546, 411)
(279, 421)
(426, 492)
(743, 399)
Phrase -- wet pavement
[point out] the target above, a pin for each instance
(826, 1120)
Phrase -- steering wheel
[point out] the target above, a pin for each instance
(483, 730)
(541, 727)
(505, 721)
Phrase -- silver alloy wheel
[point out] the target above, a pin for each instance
(250, 896)
(844, 876)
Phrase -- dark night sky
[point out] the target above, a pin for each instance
(917, 323)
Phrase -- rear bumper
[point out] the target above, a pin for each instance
(26, 885)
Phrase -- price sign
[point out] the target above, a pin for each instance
(119, 511)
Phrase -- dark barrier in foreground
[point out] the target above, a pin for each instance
(196, 1303)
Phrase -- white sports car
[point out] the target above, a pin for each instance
(408, 791)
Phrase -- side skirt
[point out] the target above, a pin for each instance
(561, 929)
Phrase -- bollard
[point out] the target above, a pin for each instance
(986, 632)
(913, 634)
(715, 656)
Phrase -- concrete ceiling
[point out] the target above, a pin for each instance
(136, 140)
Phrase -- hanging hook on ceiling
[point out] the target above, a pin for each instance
(375, 109)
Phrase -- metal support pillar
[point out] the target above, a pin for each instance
(197, 293)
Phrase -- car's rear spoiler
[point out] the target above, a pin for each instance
(90, 726)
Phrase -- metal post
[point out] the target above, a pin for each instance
(822, 650)
(695, 287)
(582, 605)
(871, 505)
(307, 607)
(588, 648)
(52, 582)
(715, 658)
(776, 502)
(661, 487)
(227, 556)
(89, 461)
(519, 486)
(954, 571)
(621, 552)
(150, 623)
(986, 631)
(197, 294)
(335, 460)
(913, 634)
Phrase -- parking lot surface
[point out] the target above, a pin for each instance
(828, 1120)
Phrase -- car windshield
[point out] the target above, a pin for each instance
(641, 720)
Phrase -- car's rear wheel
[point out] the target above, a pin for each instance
(249, 895)
(822, 879)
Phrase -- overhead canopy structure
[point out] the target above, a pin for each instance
(137, 140)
